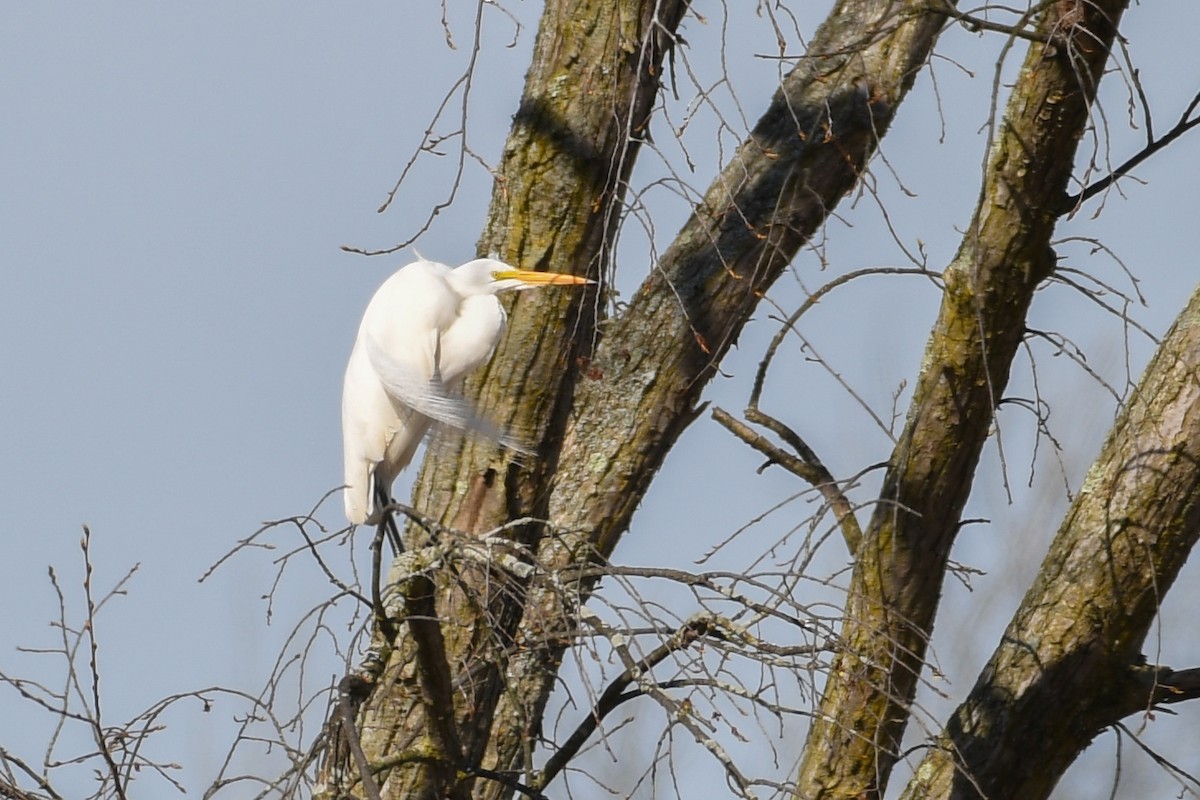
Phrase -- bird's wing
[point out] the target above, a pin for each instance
(432, 398)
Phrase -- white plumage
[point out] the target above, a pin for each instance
(424, 330)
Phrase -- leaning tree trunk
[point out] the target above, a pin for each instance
(1070, 663)
(605, 409)
(1005, 255)
(588, 96)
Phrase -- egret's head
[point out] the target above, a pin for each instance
(489, 276)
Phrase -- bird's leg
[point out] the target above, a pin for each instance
(387, 520)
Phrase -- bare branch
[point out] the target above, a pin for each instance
(806, 466)
(1186, 123)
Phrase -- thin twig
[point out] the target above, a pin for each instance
(614, 695)
(1181, 127)
(93, 664)
(806, 466)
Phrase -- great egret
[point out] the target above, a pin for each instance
(425, 328)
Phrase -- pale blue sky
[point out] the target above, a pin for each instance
(176, 312)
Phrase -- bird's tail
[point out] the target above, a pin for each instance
(359, 494)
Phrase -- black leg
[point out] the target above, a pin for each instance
(387, 520)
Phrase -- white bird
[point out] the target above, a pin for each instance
(424, 330)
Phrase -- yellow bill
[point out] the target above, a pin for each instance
(531, 278)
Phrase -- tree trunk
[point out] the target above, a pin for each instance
(561, 182)
(1069, 664)
(855, 737)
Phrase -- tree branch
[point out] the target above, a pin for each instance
(1162, 686)
(352, 691)
(614, 695)
(806, 466)
(1185, 124)
(435, 679)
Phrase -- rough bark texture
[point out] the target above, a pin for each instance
(593, 81)
(855, 738)
(1069, 664)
